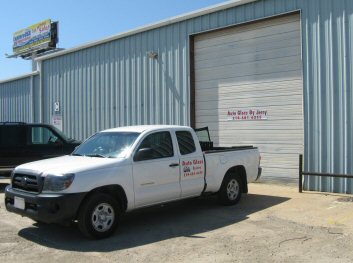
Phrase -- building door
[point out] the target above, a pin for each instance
(249, 90)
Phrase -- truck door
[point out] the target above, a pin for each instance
(192, 167)
(12, 145)
(156, 170)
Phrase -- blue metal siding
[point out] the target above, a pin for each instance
(16, 99)
(116, 83)
(327, 39)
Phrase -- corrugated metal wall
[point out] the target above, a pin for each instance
(16, 99)
(117, 83)
(328, 50)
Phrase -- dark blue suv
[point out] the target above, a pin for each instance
(23, 142)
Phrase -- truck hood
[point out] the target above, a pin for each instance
(67, 164)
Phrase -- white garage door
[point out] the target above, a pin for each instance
(254, 67)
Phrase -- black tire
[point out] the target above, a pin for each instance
(99, 216)
(231, 189)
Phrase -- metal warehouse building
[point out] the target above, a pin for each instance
(290, 58)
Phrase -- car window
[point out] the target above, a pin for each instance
(158, 145)
(185, 142)
(43, 135)
(12, 135)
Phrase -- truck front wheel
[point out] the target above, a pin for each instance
(99, 216)
(231, 189)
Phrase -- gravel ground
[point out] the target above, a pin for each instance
(272, 223)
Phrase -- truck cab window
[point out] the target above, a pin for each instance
(155, 146)
(185, 142)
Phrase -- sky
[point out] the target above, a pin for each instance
(81, 22)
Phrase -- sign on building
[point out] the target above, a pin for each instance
(247, 114)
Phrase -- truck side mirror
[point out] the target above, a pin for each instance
(143, 154)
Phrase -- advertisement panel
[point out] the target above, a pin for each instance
(31, 37)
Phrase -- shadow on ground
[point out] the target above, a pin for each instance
(188, 218)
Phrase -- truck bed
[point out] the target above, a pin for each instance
(207, 147)
(227, 149)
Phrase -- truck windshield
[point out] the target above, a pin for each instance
(107, 145)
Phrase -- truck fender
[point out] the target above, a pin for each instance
(116, 191)
(240, 171)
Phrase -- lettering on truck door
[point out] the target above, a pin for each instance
(156, 170)
(192, 165)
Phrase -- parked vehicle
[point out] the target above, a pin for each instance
(21, 143)
(122, 169)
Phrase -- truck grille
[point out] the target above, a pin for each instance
(27, 182)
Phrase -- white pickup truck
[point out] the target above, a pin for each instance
(122, 169)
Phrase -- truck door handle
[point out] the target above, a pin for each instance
(173, 164)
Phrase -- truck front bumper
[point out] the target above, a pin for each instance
(47, 208)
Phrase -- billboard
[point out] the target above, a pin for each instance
(32, 37)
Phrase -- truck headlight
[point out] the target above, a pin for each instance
(56, 183)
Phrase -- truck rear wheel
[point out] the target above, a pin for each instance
(99, 216)
(231, 189)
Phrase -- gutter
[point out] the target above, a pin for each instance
(19, 77)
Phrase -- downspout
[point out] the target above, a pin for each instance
(40, 92)
(32, 99)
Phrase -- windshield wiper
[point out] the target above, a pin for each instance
(96, 155)
(76, 154)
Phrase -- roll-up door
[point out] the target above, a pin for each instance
(249, 90)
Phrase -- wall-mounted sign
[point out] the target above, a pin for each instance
(33, 36)
(56, 106)
(247, 114)
(57, 121)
